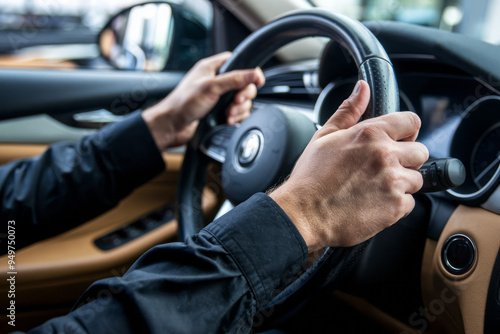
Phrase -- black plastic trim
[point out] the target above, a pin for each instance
(30, 92)
(136, 229)
(441, 211)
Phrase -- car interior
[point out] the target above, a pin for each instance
(435, 271)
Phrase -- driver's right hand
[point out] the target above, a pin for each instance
(354, 179)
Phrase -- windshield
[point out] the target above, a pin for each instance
(475, 18)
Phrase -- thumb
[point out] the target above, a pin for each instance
(351, 110)
(237, 80)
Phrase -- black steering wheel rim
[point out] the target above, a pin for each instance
(368, 54)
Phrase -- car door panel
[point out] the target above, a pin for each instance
(54, 272)
(38, 129)
(30, 92)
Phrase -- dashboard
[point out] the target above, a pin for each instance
(453, 84)
(460, 113)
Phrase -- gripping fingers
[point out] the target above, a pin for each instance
(238, 112)
(412, 155)
(399, 126)
(237, 80)
(248, 93)
(404, 183)
(408, 203)
(242, 105)
(413, 181)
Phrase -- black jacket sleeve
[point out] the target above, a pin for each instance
(213, 283)
(73, 182)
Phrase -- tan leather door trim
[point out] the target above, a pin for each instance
(72, 256)
(10, 152)
(53, 273)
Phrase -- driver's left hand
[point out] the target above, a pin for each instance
(173, 120)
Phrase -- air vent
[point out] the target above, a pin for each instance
(287, 83)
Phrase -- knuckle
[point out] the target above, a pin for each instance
(252, 91)
(349, 104)
(232, 110)
(202, 63)
(238, 110)
(402, 202)
(392, 174)
(408, 205)
(425, 152)
(241, 111)
(209, 86)
(399, 201)
(239, 80)
(414, 120)
(366, 132)
(391, 180)
(346, 104)
(419, 182)
(419, 153)
(247, 106)
(422, 156)
(383, 155)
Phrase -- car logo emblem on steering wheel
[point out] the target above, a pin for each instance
(250, 147)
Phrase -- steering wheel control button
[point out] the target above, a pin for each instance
(250, 147)
(458, 254)
(433, 172)
(136, 229)
(214, 145)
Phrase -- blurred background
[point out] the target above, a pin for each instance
(59, 14)
(54, 33)
(476, 18)
(63, 33)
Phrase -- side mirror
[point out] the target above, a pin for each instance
(157, 36)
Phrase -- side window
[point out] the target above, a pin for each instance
(52, 34)
(133, 35)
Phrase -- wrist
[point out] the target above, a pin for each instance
(161, 126)
(298, 214)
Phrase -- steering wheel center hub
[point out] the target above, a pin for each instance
(250, 147)
(250, 166)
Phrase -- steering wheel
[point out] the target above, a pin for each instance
(265, 147)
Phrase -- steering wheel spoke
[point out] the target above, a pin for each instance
(215, 144)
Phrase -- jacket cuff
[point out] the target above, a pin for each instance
(265, 244)
(132, 150)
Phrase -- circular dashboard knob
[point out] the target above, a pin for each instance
(458, 254)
